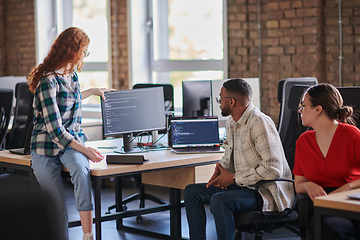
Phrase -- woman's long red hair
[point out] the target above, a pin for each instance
(67, 49)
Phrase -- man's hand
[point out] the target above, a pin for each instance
(216, 173)
(221, 178)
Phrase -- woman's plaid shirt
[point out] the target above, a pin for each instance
(57, 111)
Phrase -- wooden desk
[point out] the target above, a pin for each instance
(337, 204)
(176, 170)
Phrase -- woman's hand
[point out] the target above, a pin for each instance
(314, 190)
(346, 187)
(93, 155)
(100, 92)
(95, 91)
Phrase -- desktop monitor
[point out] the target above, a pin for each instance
(196, 98)
(132, 111)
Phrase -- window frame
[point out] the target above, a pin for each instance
(51, 19)
(183, 65)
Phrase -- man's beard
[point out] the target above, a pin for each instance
(225, 112)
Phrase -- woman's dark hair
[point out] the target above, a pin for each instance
(238, 86)
(330, 99)
(67, 49)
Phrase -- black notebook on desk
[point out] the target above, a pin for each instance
(195, 135)
(125, 159)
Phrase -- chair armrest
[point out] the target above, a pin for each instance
(261, 182)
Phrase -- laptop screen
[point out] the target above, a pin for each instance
(194, 132)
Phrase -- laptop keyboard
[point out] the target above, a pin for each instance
(198, 149)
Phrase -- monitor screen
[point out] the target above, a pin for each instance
(196, 98)
(135, 110)
(194, 132)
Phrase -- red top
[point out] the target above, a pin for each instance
(342, 162)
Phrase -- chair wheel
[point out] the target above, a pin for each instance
(139, 219)
(108, 212)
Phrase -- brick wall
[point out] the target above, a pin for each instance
(300, 38)
(17, 34)
(2, 39)
(120, 49)
(350, 15)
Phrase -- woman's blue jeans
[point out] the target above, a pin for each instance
(223, 203)
(47, 170)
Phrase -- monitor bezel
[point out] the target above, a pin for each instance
(162, 108)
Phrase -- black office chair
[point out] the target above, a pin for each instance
(6, 101)
(257, 222)
(260, 223)
(22, 114)
(351, 97)
(283, 97)
(287, 116)
(27, 213)
(142, 195)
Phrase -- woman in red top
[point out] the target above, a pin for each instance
(327, 159)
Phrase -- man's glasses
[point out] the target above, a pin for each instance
(218, 99)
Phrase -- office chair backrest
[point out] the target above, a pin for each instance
(23, 115)
(6, 99)
(168, 93)
(351, 96)
(294, 127)
(283, 96)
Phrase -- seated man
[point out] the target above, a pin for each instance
(253, 152)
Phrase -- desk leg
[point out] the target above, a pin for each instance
(97, 190)
(318, 223)
(118, 200)
(175, 213)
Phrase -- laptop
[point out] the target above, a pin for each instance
(354, 196)
(195, 135)
(26, 149)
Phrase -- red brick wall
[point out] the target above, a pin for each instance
(351, 42)
(17, 31)
(2, 39)
(119, 22)
(300, 38)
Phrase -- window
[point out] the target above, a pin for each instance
(184, 41)
(92, 17)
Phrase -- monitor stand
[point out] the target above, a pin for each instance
(154, 144)
(128, 145)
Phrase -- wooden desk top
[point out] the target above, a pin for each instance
(157, 160)
(339, 201)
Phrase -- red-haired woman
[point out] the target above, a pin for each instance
(57, 138)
